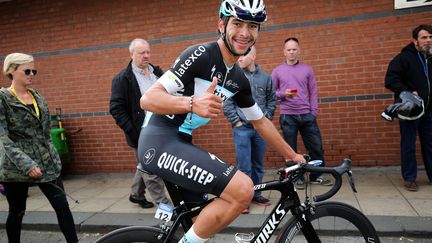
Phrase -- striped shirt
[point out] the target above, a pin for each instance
(144, 81)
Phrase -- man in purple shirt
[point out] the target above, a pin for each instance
(296, 90)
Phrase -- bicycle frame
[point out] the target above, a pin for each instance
(289, 202)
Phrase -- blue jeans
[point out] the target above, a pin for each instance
(408, 131)
(307, 126)
(250, 149)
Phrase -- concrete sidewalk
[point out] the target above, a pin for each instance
(104, 206)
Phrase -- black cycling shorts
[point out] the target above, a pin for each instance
(162, 151)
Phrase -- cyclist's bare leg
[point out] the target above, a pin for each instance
(222, 211)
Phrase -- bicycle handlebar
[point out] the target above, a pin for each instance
(336, 172)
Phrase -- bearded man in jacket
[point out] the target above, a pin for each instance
(411, 71)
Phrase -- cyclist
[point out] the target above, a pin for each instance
(186, 97)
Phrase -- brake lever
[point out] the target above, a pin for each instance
(351, 180)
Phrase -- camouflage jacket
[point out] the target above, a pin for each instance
(25, 140)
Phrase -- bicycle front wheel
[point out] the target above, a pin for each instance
(333, 222)
(135, 234)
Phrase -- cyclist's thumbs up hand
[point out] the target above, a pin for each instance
(212, 86)
(208, 105)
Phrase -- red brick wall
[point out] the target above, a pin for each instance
(80, 45)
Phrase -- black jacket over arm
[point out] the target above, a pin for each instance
(125, 103)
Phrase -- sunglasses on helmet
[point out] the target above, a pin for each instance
(245, 15)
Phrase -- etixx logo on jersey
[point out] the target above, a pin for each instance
(149, 156)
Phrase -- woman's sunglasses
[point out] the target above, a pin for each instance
(28, 71)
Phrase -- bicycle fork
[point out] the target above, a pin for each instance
(304, 223)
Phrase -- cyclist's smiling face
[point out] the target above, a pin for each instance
(240, 35)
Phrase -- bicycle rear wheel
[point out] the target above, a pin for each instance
(135, 234)
(333, 222)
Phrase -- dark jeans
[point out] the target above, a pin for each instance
(16, 195)
(408, 131)
(250, 149)
(307, 126)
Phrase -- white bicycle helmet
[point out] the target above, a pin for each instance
(244, 10)
(408, 107)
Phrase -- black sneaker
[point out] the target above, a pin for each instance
(142, 202)
(262, 201)
(146, 204)
(133, 200)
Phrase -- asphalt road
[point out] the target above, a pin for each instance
(54, 237)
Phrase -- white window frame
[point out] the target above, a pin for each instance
(399, 4)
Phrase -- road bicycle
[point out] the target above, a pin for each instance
(310, 221)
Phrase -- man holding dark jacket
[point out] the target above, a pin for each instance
(411, 70)
(127, 89)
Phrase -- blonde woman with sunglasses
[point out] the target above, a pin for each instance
(27, 155)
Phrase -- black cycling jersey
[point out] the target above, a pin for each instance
(165, 146)
(192, 74)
